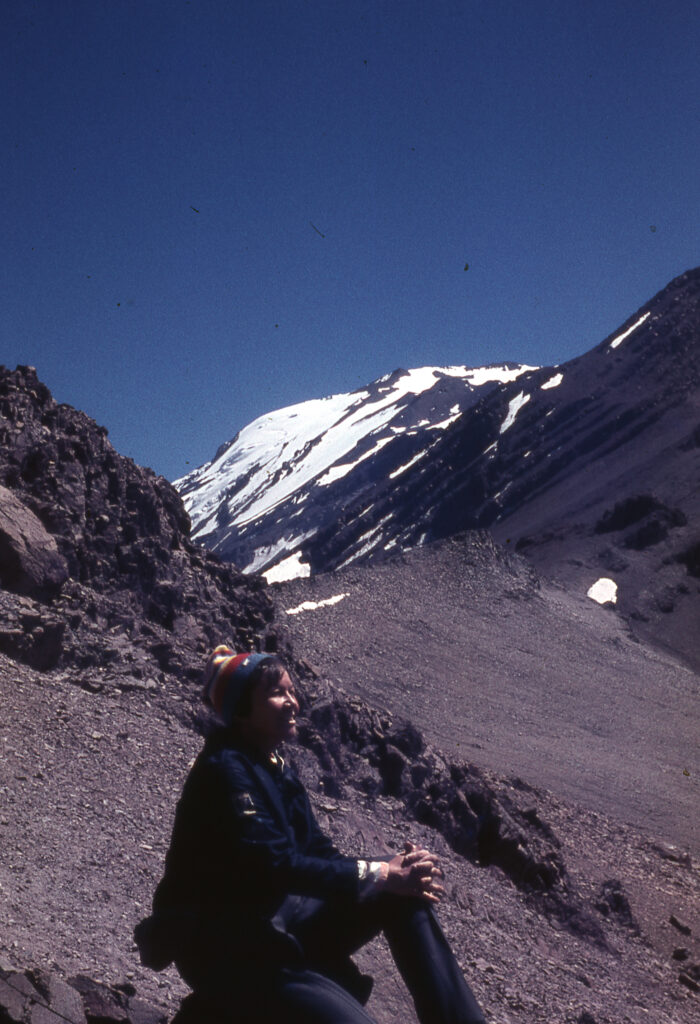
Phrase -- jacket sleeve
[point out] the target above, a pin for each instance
(264, 846)
(319, 844)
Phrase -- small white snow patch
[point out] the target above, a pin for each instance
(402, 469)
(444, 424)
(625, 334)
(310, 606)
(337, 472)
(291, 568)
(269, 552)
(491, 448)
(514, 407)
(603, 591)
(553, 382)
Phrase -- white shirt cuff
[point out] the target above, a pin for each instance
(372, 875)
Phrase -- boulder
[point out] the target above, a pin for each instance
(30, 562)
(36, 997)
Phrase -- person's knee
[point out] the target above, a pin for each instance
(311, 998)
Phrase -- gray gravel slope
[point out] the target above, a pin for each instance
(514, 674)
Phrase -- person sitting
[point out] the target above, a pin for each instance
(258, 909)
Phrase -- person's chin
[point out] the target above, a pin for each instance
(290, 731)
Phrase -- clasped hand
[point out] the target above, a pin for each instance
(416, 873)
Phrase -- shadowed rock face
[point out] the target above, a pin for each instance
(90, 538)
(34, 995)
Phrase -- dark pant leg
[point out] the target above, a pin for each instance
(329, 931)
(428, 966)
(289, 995)
(307, 997)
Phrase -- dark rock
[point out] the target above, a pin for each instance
(649, 516)
(60, 998)
(654, 529)
(37, 997)
(683, 928)
(680, 953)
(30, 632)
(406, 738)
(612, 902)
(102, 1003)
(580, 921)
(689, 982)
(627, 512)
(141, 1012)
(693, 971)
(17, 995)
(690, 558)
(394, 770)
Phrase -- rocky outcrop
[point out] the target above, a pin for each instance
(488, 820)
(100, 549)
(38, 997)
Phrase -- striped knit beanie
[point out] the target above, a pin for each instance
(225, 677)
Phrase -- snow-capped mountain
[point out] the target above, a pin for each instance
(295, 471)
(590, 468)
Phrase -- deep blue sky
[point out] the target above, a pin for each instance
(345, 160)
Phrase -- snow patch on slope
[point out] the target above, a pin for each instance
(603, 591)
(269, 552)
(625, 334)
(338, 472)
(310, 606)
(407, 465)
(504, 374)
(291, 568)
(514, 407)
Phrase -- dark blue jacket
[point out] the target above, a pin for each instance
(244, 838)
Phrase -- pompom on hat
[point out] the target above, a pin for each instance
(225, 677)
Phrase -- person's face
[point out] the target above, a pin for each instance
(273, 711)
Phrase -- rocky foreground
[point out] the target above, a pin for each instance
(106, 611)
(556, 914)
